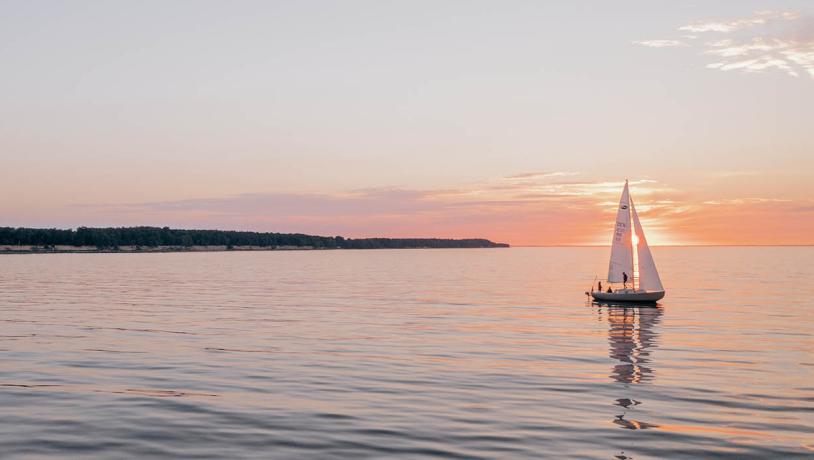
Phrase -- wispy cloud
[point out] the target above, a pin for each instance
(759, 18)
(734, 173)
(532, 208)
(549, 186)
(738, 201)
(541, 174)
(760, 53)
(660, 43)
(751, 45)
(526, 208)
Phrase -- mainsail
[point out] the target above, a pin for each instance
(648, 275)
(621, 259)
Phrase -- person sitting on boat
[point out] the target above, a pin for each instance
(610, 291)
(624, 280)
(600, 287)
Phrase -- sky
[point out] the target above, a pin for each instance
(516, 121)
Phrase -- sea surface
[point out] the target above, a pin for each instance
(459, 353)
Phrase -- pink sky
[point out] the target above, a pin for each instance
(544, 208)
(515, 122)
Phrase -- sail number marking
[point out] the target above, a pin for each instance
(620, 231)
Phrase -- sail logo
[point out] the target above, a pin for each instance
(624, 206)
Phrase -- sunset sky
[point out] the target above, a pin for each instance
(516, 121)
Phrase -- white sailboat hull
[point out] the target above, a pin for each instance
(628, 295)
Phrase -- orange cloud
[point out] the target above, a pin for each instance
(523, 209)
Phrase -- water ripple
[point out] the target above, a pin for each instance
(416, 354)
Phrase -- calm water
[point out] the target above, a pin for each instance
(404, 353)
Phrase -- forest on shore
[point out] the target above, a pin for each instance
(112, 238)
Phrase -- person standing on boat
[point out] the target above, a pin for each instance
(600, 287)
(624, 280)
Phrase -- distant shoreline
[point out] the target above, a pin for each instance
(9, 250)
(21, 240)
(23, 249)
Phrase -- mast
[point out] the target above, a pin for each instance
(633, 247)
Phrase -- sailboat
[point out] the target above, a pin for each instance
(646, 287)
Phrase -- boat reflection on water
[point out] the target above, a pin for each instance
(632, 336)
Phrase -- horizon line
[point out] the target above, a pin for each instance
(660, 245)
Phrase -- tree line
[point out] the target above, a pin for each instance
(112, 238)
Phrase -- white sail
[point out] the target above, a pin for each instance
(621, 260)
(648, 275)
